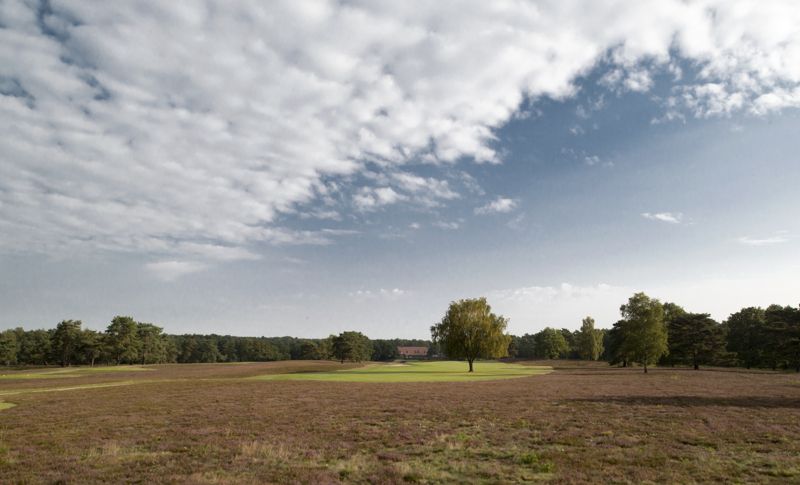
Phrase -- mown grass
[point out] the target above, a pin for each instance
(581, 423)
(422, 371)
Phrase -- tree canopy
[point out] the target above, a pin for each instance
(694, 339)
(590, 340)
(352, 346)
(550, 343)
(469, 330)
(642, 330)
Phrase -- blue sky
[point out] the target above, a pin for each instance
(314, 167)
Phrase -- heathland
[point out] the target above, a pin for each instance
(221, 423)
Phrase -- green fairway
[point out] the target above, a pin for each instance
(418, 372)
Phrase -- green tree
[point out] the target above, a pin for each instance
(612, 346)
(206, 351)
(644, 335)
(469, 330)
(590, 341)
(91, 346)
(384, 350)
(34, 347)
(187, 348)
(551, 344)
(227, 346)
(746, 335)
(264, 351)
(152, 345)
(513, 346)
(672, 311)
(122, 339)
(526, 347)
(9, 347)
(325, 348)
(694, 339)
(66, 340)
(352, 346)
(783, 335)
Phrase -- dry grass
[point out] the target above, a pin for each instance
(582, 423)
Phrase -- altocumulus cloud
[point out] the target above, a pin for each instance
(185, 130)
(500, 204)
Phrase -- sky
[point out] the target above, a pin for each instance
(308, 167)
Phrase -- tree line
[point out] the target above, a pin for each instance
(651, 332)
(551, 343)
(126, 341)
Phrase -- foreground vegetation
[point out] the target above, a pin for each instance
(584, 422)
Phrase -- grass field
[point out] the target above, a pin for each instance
(67, 372)
(580, 423)
(419, 371)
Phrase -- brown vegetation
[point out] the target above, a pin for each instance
(582, 423)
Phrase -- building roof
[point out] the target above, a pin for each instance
(412, 350)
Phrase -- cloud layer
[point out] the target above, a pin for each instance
(188, 129)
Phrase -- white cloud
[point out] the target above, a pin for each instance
(670, 217)
(321, 214)
(382, 293)
(143, 126)
(763, 241)
(447, 225)
(215, 251)
(425, 191)
(172, 270)
(470, 183)
(499, 205)
(630, 78)
(368, 199)
(594, 160)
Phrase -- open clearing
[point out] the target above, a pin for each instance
(418, 371)
(212, 423)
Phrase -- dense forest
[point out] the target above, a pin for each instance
(649, 333)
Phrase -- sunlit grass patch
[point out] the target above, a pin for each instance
(12, 392)
(419, 372)
(6, 405)
(71, 372)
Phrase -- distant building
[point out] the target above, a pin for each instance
(412, 352)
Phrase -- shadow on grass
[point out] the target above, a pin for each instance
(771, 402)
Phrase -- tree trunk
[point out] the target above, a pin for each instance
(645, 368)
(696, 366)
(470, 364)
